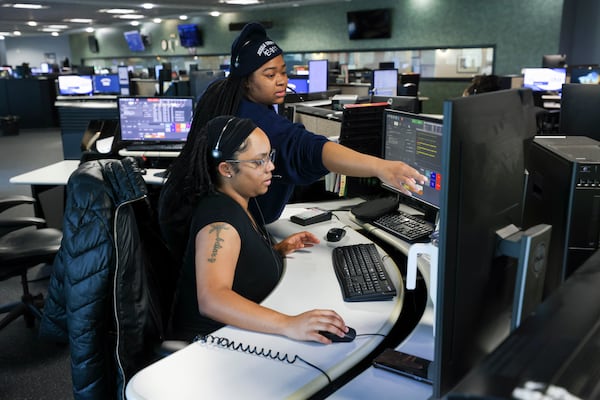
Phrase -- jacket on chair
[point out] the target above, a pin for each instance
(109, 292)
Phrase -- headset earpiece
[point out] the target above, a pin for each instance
(216, 153)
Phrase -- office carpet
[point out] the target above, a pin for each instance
(30, 368)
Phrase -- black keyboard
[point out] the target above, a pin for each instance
(405, 226)
(361, 273)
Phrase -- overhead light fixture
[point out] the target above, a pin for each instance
(17, 33)
(183, 17)
(157, 20)
(148, 6)
(117, 11)
(57, 27)
(214, 13)
(241, 2)
(54, 33)
(31, 23)
(130, 16)
(135, 23)
(29, 6)
(80, 20)
(89, 29)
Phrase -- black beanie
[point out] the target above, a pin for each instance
(225, 135)
(251, 49)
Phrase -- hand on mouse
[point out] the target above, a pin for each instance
(306, 326)
(296, 241)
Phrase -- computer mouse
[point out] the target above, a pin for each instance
(335, 234)
(348, 337)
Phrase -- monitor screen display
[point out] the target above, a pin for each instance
(417, 141)
(106, 84)
(155, 119)
(544, 79)
(317, 76)
(385, 82)
(585, 75)
(71, 85)
(369, 24)
(298, 84)
(134, 40)
(190, 35)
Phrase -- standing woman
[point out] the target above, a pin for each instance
(229, 263)
(257, 81)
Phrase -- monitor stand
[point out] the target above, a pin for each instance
(530, 248)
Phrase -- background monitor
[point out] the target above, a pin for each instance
(385, 82)
(585, 74)
(155, 119)
(106, 84)
(72, 85)
(401, 103)
(298, 84)
(554, 60)
(417, 141)
(201, 79)
(544, 79)
(579, 107)
(134, 40)
(317, 75)
(190, 35)
(484, 143)
(369, 24)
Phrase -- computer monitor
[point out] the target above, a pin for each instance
(484, 141)
(401, 103)
(544, 79)
(584, 74)
(385, 82)
(298, 84)
(416, 140)
(579, 107)
(554, 60)
(201, 79)
(75, 85)
(154, 119)
(106, 84)
(317, 75)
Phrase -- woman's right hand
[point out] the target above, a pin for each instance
(306, 326)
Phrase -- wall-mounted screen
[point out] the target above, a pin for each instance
(134, 40)
(370, 24)
(106, 84)
(190, 35)
(75, 85)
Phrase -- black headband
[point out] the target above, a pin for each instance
(225, 135)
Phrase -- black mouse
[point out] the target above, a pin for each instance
(335, 234)
(348, 337)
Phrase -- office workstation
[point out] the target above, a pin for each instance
(422, 329)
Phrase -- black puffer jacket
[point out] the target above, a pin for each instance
(109, 292)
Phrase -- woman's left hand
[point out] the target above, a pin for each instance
(296, 241)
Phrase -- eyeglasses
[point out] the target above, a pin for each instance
(260, 162)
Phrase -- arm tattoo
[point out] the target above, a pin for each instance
(218, 240)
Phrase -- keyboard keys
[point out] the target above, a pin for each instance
(405, 226)
(361, 273)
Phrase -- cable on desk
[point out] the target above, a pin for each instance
(262, 352)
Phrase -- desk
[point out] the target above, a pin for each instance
(308, 281)
(378, 384)
(57, 174)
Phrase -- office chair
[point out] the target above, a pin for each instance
(25, 242)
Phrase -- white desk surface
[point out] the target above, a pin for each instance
(58, 174)
(207, 371)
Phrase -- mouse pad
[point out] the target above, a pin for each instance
(371, 209)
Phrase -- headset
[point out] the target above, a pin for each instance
(216, 152)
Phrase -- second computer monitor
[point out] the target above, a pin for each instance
(385, 82)
(544, 79)
(417, 141)
(317, 75)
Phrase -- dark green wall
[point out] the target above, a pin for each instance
(522, 32)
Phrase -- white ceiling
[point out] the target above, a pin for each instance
(57, 12)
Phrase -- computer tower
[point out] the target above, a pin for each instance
(563, 190)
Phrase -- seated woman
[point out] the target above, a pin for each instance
(230, 264)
